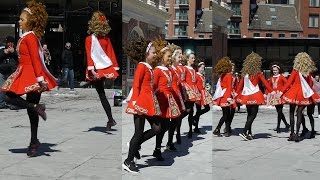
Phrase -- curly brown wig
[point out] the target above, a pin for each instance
(223, 66)
(98, 24)
(252, 64)
(161, 48)
(136, 49)
(304, 64)
(184, 59)
(37, 21)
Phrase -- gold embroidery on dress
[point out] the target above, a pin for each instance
(8, 83)
(33, 87)
(173, 107)
(108, 76)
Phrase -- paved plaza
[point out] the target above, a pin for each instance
(269, 155)
(74, 142)
(193, 160)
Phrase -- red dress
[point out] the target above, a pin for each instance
(235, 84)
(225, 83)
(206, 97)
(103, 72)
(143, 99)
(277, 83)
(294, 93)
(163, 83)
(31, 68)
(177, 88)
(252, 98)
(190, 85)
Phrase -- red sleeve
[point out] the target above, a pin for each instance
(199, 82)
(111, 54)
(290, 80)
(157, 73)
(265, 82)
(32, 43)
(90, 64)
(228, 81)
(137, 81)
(270, 83)
(240, 86)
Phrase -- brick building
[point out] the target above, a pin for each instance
(144, 18)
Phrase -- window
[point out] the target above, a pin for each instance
(269, 35)
(201, 36)
(282, 35)
(256, 34)
(236, 8)
(182, 2)
(269, 23)
(233, 27)
(314, 3)
(294, 35)
(181, 14)
(180, 30)
(313, 35)
(273, 17)
(132, 68)
(314, 21)
(272, 9)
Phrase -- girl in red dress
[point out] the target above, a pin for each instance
(176, 86)
(190, 88)
(206, 98)
(165, 94)
(249, 92)
(31, 77)
(143, 103)
(223, 94)
(101, 60)
(298, 92)
(277, 81)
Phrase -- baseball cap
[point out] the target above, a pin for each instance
(10, 39)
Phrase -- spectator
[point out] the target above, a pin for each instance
(67, 67)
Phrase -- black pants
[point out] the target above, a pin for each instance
(199, 113)
(232, 112)
(32, 99)
(281, 116)
(164, 122)
(189, 105)
(226, 117)
(252, 111)
(175, 123)
(310, 111)
(99, 86)
(140, 135)
(299, 117)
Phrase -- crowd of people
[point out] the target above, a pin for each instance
(300, 90)
(167, 85)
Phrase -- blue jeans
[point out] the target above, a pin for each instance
(2, 94)
(67, 76)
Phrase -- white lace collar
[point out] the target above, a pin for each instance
(173, 67)
(147, 64)
(276, 75)
(26, 33)
(189, 67)
(162, 67)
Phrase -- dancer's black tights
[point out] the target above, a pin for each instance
(232, 112)
(200, 112)
(32, 99)
(310, 111)
(252, 111)
(173, 125)
(189, 106)
(299, 117)
(225, 118)
(164, 127)
(140, 135)
(99, 86)
(280, 115)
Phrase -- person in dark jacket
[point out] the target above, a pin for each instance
(67, 67)
(8, 64)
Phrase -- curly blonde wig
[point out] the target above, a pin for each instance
(223, 66)
(252, 64)
(37, 19)
(184, 59)
(173, 48)
(161, 48)
(304, 64)
(136, 49)
(98, 24)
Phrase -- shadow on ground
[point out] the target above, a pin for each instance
(44, 149)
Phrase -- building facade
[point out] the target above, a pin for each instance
(140, 18)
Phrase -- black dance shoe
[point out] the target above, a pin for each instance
(217, 132)
(292, 137)
(110, 124)
(157, 155)
(130, 166)
(304, 132)
(170, 147)
(244, 136)
(313, 134)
